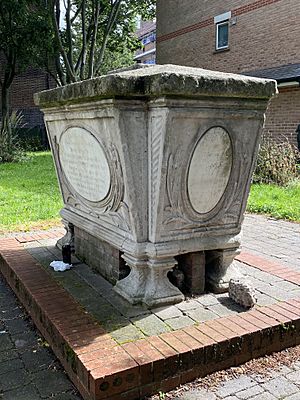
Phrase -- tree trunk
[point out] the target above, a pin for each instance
(5, 109)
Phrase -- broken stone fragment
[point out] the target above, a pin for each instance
(242, 292)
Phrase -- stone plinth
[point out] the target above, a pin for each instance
(157, 163)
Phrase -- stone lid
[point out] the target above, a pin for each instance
(157, 81)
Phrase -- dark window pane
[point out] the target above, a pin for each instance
(223, 35)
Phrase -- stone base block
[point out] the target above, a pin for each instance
(193, 267)
(100, 256)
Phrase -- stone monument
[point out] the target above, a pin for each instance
(155, 164)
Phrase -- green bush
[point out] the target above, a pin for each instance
(277, 162)
(10, 149)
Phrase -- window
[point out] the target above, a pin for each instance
(222, 30)
(222, 35)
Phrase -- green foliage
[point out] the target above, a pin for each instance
(29, 193)
(276, 201)
(276, 163)
(10, 149)
(96, 36)
(25, 38)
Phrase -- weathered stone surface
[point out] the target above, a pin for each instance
(159, 80)
(241, 291)
(157, 162)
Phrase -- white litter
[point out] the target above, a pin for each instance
(60, 266)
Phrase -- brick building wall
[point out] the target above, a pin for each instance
(283, 115)
(147, 36)
(265, 34)
(21, 95)
(262, 34)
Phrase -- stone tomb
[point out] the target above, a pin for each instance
(154, 167)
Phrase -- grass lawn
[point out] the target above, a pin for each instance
(278, 202)
(29, 194)
(30, 197)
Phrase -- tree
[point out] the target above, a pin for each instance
(93, 32)
(25, 35)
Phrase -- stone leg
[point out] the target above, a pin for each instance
(159, 290)
(133, 286)
(69, 237)
(220, 269)
(148, 282)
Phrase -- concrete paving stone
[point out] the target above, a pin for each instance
(5, 342)
(201, 314)
(207, 299)
(264, 396)
(17, 325)
(51, 382)
(47, 242)
(187, 305)
(14, 379)
(200, 394)
(179, 322)
(231, 398)
(286, 285)
(263, 299)
(234, 385)
(294, 377)
(28, 392)
(11, 365)
(10, 313)
(8, 354)
(35, 360)
(277, 293)
(127, 334)
(295, 396)
(25, 340)
(113, 323)
(167, 312)
(280, 386)
(68, 396)
(94, 280)
(32, 245)
(220, 310)
(231, 304)
(134, 311)
(248, 393)
(150, 325)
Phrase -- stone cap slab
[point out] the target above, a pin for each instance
(159, 81)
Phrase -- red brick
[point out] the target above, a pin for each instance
(171, 356)
(207, 330)
(274, 314)
(238, 329)
(223, 330)
(255, 321)
(203, 339)
(245, 324)
(265, 318)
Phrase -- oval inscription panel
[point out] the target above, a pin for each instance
(84, 164)
(209, 170)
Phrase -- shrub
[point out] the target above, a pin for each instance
(10, 149)
(276, 162)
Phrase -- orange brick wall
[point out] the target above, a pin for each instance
(21, 94)
(265, 33)
(283, 115)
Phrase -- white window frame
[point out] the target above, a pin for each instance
(217, 35)
(220, 20)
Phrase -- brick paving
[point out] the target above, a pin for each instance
(126, 323)
(28, 368)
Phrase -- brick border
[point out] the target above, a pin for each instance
(271, 267)
(210, 21)
(102, 369)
